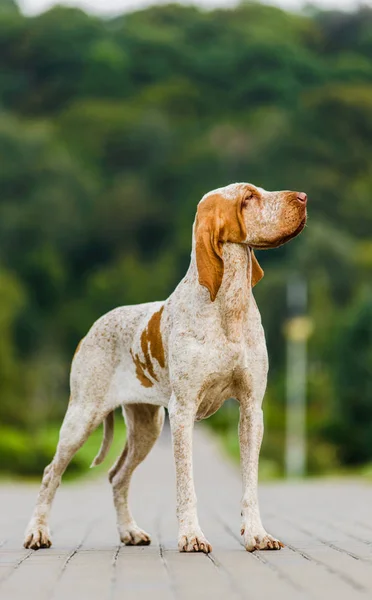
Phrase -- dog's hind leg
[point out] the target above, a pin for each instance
(144, 424)
(79, 422)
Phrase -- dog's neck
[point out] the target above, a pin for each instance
(234, 297)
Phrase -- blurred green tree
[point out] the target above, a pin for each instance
(351, 424)
(110, 132)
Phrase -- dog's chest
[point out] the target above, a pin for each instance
(234, 367)
(215, 394)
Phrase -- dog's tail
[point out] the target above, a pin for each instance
(108, 434)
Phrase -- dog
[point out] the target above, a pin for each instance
(190, 353)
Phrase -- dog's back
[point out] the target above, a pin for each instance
(107, 362)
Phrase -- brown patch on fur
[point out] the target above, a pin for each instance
(219, 220)
(145, 350)
(154, 337)
(140, 373)
(151, 346)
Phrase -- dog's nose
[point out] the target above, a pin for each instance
(302, 197)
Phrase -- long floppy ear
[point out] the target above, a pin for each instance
(257, 271)
(217, 221)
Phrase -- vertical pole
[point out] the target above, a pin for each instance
(297, 334)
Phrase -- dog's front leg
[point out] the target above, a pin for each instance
(191, 537)
(250, 437)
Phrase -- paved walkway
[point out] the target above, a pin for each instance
(326, 526)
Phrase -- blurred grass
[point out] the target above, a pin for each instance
(321, 464)
(268, 469)
(26, 454)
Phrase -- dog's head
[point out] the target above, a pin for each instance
(245, 214)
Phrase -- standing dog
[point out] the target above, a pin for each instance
(190, 353)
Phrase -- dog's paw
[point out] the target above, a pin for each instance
(134, 536)
(37, 536)
(260, 541)
(194, 543)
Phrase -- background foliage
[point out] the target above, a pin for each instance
(111, 131)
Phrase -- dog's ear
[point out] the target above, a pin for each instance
(257, 271)
(217, 221)
(208, 248)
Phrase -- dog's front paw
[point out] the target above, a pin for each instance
(37, 536)
(194, 542)
(134, 536)
(260, 541)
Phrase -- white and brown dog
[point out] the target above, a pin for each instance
(204, 344)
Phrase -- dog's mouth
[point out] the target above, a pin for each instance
(287, 238)
(282, 240)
